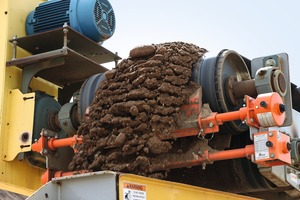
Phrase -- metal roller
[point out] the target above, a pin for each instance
(215, 75)
(87, 92)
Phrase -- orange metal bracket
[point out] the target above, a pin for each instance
(272, 148)
(51, 143)
(265, 111)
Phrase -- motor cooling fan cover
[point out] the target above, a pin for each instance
(93, 18)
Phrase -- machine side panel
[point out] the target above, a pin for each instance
(95, 185)
(18, 124)
(112, 186)
(15, 175)
(137, 187)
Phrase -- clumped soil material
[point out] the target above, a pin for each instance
(137, 103)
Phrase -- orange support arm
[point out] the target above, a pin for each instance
(266, 110)
(53, 143)
(270, 148)
(208, 158)
(232, 154)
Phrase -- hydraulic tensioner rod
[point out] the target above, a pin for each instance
(266, 110)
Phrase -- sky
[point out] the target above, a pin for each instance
(253, 28)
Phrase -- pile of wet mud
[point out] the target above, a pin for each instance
(134, 106)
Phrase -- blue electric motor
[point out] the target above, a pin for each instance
(93, 18)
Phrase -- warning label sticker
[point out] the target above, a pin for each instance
(266, 119)
(261, 149)
(133, 191)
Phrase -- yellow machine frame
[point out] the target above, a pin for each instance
(16, 115)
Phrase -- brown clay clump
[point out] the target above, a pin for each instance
(137, 103)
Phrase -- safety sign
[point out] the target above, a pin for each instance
(134, 191)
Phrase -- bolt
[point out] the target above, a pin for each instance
(195, 156)
(256, 107)
(203, 166)
(269, 144)
(251, 120)
(272, 155)
(270, 62)
(281, 108)
(262, 72)
(270, 134)
(44, 151)
(45, 133)
(263, 104)
(210, 124)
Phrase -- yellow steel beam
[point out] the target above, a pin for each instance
(15, 115)
(16, 189)
(3, 47)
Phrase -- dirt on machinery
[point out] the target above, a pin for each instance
(135, 106)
